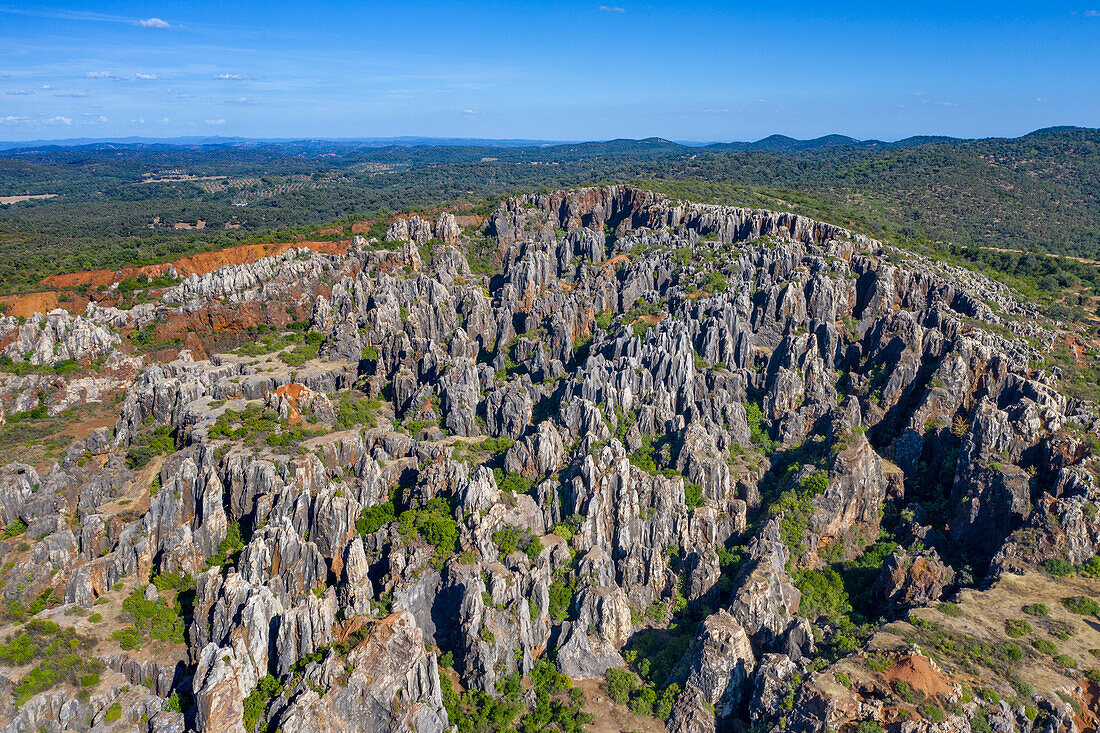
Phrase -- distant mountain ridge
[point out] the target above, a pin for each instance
(772, 143)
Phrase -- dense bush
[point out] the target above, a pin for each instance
(557, 705)
(372, 518)
(147, 445)
(509, 539)
(1083, 605)
(434, 524)
(63, 656)
(255, 705)
(1057, 567)
(511, 483)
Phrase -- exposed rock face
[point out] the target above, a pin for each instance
(720, 662)
(853, 501)
(391, 685)
(764, 600)
(915, 579)
(650, 426)
(55, 337)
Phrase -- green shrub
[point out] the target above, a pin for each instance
(1036, 609)
(173, 581)
(1082, 604)
(351, 412)
(1060, 629)
(128, 637)
(1045, 646)
(434, 524)
(619, 683)
(564, 530)
(62, 656)
(823, 594)
(757, 434)
(561, 599)
(160, 622)
(643, 458)
(257, 701)
(512, 483)
(905, 692)
(1057, 567)
(373, 518)
(950, 608)
(509, 539)
(299, 355)
(693, 495)
(114, 712)
(14, 529)
(879, 662)
(869, 726)
(147, 445)
(1017, 628)
(227, 548)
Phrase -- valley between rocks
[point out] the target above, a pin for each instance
(723, 469)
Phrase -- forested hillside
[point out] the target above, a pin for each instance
(129, 204)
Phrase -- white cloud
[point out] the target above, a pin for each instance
(13, 120)
(71, 94)
(18, 93)
(153, 23)
(102, 118)
(229, 77)
(99, 75)
(47, 86)
(470, 112)
(146, 77)
(164, 120)
(59, 120)
(138, 121)
(1092, 13)
(216, 122)
(612, 9)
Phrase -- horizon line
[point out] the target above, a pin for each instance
(447, 141)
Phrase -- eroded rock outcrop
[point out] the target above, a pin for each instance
(656, 420)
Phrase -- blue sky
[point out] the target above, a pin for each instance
(564, 70)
